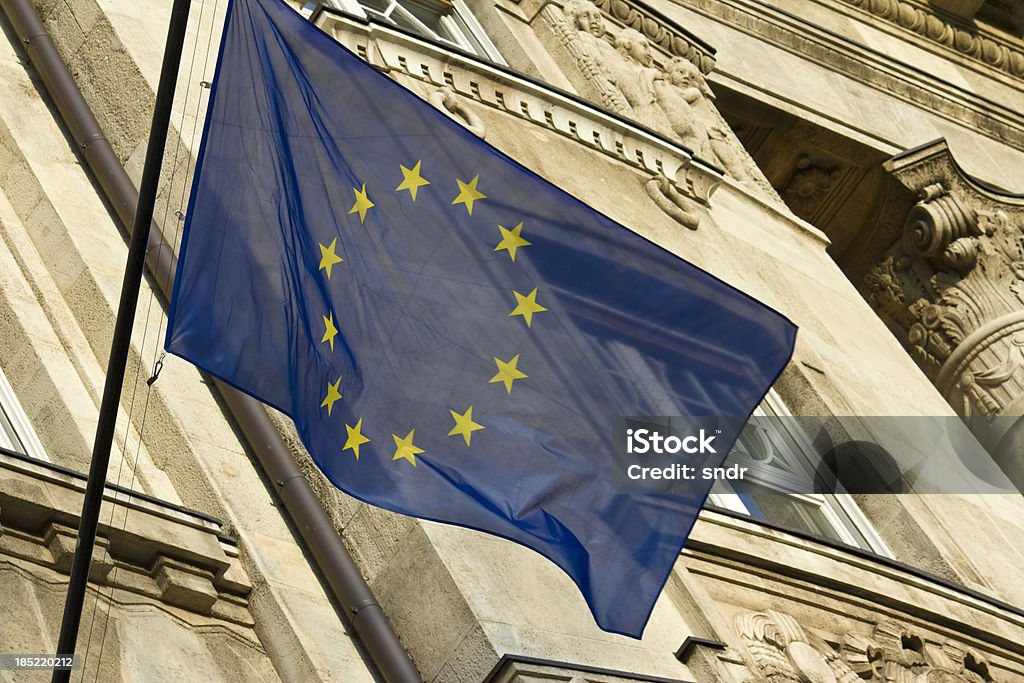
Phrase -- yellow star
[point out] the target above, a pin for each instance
(355, 438)
(527, 305)
(328, 258)
(405, 449)
(332, 395)
(412, 180)
(508, 372)
(468, 194)
(511, 240)
(330, 331)
(363, 203)
(464, 425)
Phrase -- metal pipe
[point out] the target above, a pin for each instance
(315, 527)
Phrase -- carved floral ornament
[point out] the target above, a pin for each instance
(952, 288)
(782, 650)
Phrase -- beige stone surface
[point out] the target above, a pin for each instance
(190, 607)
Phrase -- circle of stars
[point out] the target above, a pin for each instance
(526, 307)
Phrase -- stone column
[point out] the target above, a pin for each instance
(952, 290)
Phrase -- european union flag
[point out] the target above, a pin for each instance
(455, 337)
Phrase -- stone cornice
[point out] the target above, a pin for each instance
(143, 547)
(987, 49)
(885, 587)
(875, 69)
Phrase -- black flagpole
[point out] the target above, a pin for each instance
(122, 337)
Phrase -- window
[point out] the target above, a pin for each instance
(781, 462)
(16, 433)
(448, 22)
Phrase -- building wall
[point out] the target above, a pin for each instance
(770, 604)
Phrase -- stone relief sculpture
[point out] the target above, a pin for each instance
(623, 73)
(581, 29)
(634, 74)
(782, 650)
(688, 104)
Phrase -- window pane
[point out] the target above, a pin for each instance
(8, 438)
(786, 510)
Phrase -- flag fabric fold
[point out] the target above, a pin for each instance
(454, 337)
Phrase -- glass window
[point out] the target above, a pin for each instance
(780, 466)
(16, 433)
(446, 22)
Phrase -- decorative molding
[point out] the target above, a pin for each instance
(952, 287)
(143, 547)
(783, 650)
(809, 186)
(660, 31)
(876, 70)
(427, 68)
(985, 49)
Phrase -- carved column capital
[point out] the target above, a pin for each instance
(952, 287)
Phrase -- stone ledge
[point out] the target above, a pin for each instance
(431, 68)
(144, 547)
(520, 669)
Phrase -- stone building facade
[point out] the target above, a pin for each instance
(849, 162)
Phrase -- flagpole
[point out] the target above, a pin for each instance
(122, 337)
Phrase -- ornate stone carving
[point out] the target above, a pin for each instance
(668, 95)
(581, 30)
(783, 650)
(445, 99)
(952, 288)
(964, 41)
(808, 186)
(666, 36)
(635, 75)
(673, 202)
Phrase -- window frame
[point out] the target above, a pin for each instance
(468, 33)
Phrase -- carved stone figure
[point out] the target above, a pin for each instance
(689, 105)
(581, 30)
(620, 71)
(636, 77)
(681, 96)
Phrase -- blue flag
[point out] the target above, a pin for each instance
(454, 337)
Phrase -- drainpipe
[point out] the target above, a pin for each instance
(328, 550)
